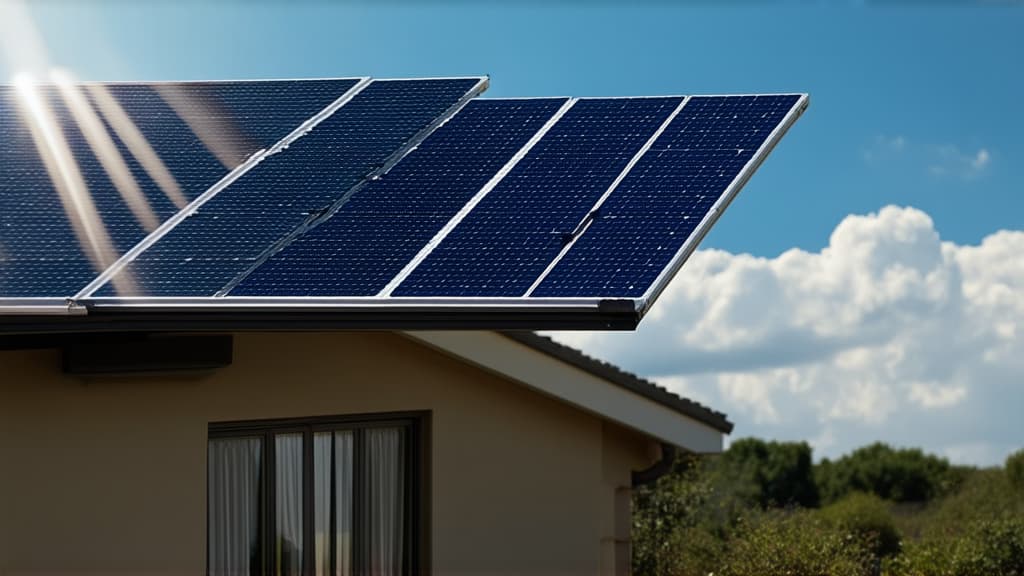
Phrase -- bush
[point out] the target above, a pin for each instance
(986, 495)
(665, 540)
(796, 543)
(987, 548)
(868, 517)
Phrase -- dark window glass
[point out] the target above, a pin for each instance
(313, 497)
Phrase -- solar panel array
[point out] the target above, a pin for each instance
(154, 131)
(368, 192)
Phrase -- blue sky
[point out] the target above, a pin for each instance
(916, 105)
(944, 81)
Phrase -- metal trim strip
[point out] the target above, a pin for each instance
(215, 81)
(333, 302)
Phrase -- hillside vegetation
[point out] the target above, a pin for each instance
(764, 508)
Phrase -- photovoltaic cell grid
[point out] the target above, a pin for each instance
(227, 235)
(579, 208)
(383, 225)
(652, 213)
(173, 141)
(509, 238)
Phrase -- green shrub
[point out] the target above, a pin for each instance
(986, 495)
(665, 516)
(986, 548)
(796, 543)
(867, 516)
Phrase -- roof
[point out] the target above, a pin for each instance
(627, 380)
(587, 384)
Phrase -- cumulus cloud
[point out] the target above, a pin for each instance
(888, 333)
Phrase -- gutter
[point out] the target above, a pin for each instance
(52, 315)
(41, 307)
(663, 466)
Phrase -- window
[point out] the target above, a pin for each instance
(315, 497)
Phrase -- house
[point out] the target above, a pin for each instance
(443, 452)
(260, 327)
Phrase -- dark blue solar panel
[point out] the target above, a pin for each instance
(40, 254)
(505, 243)
(384, 225)
(649, 216)
(227, 235)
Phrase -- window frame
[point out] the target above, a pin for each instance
(416, 425)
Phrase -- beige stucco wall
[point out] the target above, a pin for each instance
(107, 475)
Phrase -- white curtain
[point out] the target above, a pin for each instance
(385, 489)
(332, 465)
(288, 475)
(233, 515)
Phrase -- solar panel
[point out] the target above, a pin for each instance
(227, 235)
(656, 209)
(138, 153)
(384, 224)
(357, 203)
(519, 227)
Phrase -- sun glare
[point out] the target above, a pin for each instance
(21, 44)
(105, 150)
(64, 173)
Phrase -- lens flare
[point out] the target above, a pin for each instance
(105, 150)
(136, 142)
(66, 177)
(21, 44)
(211, 123)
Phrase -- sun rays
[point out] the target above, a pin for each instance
(42, 92)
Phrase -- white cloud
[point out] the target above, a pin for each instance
(888, 333)
(941, 160)
(949, 160)
(884, 146)
(936, 396)
(981, 160)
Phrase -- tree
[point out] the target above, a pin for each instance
(905, 475)
(669, 536)
(767, 473)
(1015, 469)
